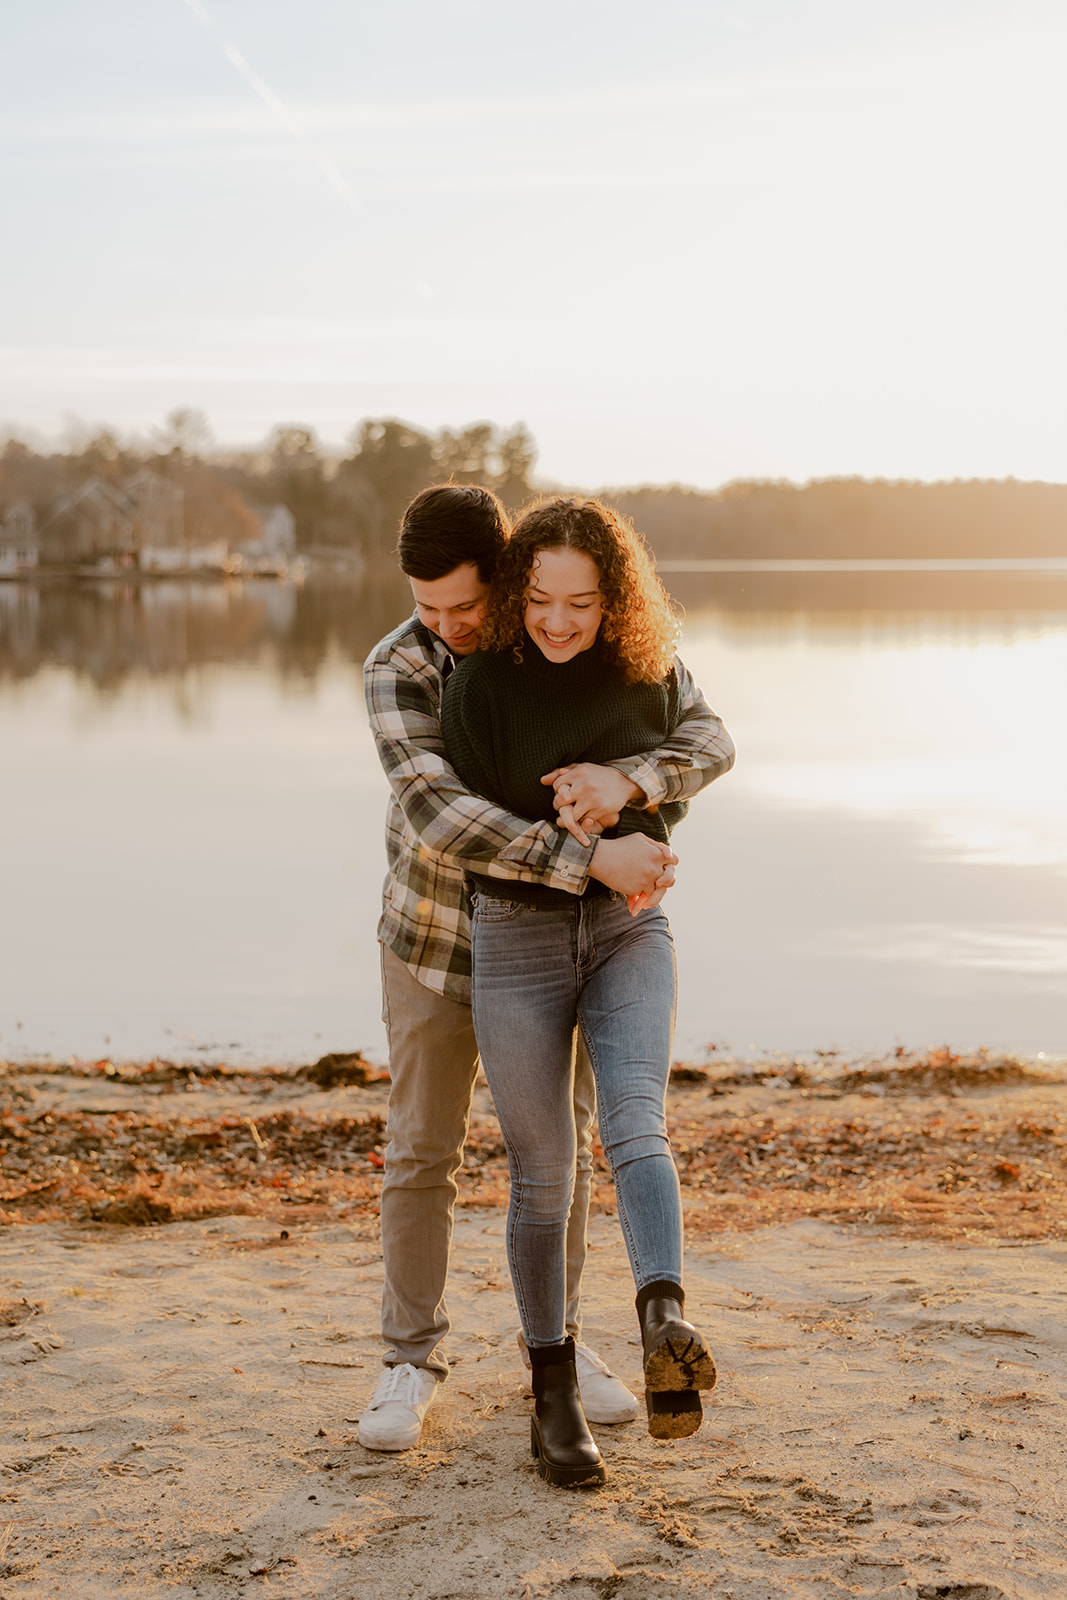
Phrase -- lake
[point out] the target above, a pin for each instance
(192, 815)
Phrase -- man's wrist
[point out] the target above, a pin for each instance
(648, 787)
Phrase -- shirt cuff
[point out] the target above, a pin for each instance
(565, 866)
(574, 861)
(646, 776)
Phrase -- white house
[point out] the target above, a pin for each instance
(173, 559)
(273, 548)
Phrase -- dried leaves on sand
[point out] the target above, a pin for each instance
(934, 1144)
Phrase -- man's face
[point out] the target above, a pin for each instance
(453, 607)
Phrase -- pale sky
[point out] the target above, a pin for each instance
(690, 242)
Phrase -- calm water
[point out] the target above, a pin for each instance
(192, 817)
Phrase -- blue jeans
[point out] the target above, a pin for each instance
(433, 1064)
(537, 971)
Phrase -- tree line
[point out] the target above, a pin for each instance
(843, 518)
(354, 502)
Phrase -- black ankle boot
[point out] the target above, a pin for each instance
(563, 1447)
(678, 1363)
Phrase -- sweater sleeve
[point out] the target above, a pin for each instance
(657, 819)
(697, 750)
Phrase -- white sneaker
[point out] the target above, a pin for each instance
(393, 1420)
(605, 1398)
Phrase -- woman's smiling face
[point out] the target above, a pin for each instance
(563, 603)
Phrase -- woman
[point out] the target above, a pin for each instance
(576, 665)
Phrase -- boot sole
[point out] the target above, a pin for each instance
(679, 1362)
(676, 1368)
(590, 1476)
(673, 1414)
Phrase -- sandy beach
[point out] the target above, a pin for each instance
(876, 1251)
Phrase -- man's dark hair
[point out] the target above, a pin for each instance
(449, 525)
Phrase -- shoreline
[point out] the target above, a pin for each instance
(932, 1144)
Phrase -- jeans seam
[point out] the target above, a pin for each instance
(629, 1236)
(624, 1221)
(514, 1208)
(586, 924)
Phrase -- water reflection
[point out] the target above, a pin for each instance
(939, 719)
(845, 595)
(107, 632)
(200, 847)
(897, 834)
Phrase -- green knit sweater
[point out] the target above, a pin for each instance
(506, 723)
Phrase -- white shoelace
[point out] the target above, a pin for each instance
(399, 1383)
(584, 1357)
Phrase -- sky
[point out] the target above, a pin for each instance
(691, 242)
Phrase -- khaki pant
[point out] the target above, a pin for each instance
(433, 1063)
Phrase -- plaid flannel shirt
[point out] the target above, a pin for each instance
(437, 831)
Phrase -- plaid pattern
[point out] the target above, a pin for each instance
(436, 831)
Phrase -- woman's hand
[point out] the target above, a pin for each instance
(641, 902)
(589, 798)
(634, 866)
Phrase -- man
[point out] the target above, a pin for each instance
(436, 831)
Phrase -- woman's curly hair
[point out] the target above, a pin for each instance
(639, 630)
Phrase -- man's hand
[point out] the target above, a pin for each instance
(634, 866)
(589, 798)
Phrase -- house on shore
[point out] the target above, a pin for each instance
(95, 523)
(273, 549)
(104, 523)
(149, 524)
(177, 559)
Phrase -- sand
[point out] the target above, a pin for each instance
(180, 1407)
